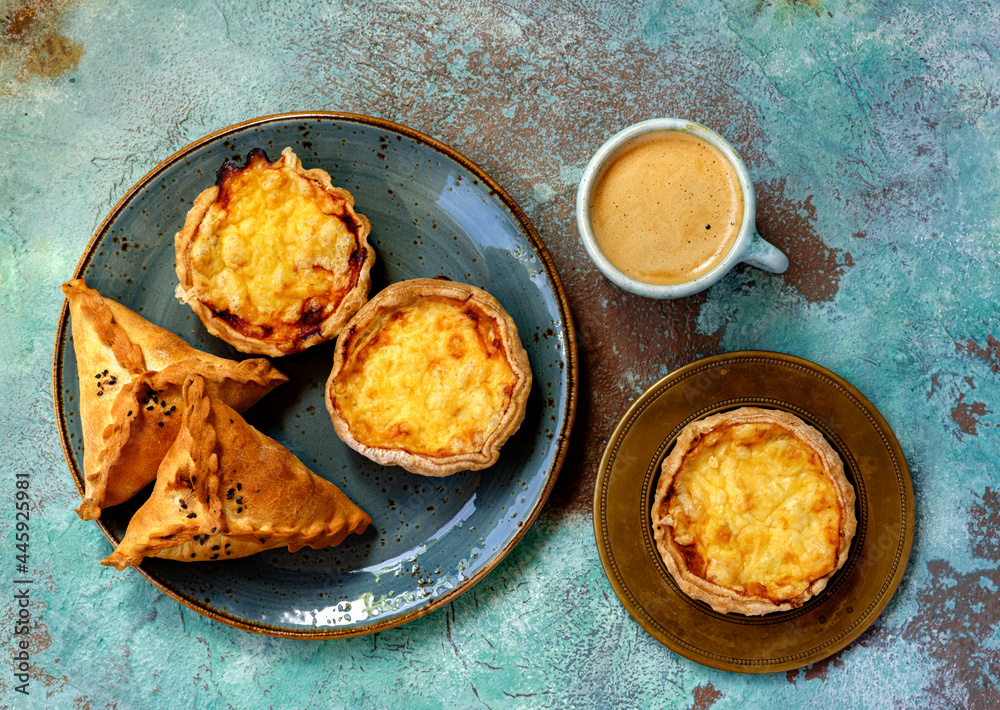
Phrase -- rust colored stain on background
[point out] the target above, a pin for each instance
(21, 19)
(53, 56)
(985, 517)
(817, 671)
(30, 36)
(968, 415)
(619, 358)
(958, 615)
(705, 697)
(990, 354)
(814, 268)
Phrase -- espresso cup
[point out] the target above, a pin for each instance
(653, 194)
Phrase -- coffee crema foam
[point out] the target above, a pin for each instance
(667, 208)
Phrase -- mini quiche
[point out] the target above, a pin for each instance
(753, 513)
(429, 375)
(273, 258)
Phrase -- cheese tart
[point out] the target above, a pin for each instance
(429, 375)
(273, 258)
(753, 513)
(130, 372)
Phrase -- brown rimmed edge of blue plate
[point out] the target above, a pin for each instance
(571, 369)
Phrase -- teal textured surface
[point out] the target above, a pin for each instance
(871, 130)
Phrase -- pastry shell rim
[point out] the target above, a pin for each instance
(399, 294)
(329, 327)
(724, 599)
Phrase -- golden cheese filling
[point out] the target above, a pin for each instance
(274, 248)
(431, 378)
(754, 511)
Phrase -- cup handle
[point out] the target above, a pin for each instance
(765, 255)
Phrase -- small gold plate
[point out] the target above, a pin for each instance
(874, 464)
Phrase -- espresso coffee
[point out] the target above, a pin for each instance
(667, 208)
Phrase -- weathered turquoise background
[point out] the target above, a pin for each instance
(872, 130)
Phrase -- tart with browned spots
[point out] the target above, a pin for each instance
(429, 375)
(753, 512)
(273, 258)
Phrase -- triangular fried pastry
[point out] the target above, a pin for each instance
(130, 376)
(224, 490)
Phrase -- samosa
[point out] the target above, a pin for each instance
(130, 373)
(225, 490)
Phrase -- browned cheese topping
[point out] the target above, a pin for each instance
(754, 511)
(275, 251)
(431, 378)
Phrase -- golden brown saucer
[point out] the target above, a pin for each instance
(874, 464)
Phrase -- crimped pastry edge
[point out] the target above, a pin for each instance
(193, 467)
(103, 442)
(330, 326)
(397, 295)
(724, 599)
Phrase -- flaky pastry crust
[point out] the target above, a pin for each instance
(733, 524)
(273, 258)
(224, 490)
(130, 372)
(430, 375)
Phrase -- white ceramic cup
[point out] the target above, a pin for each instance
(749, 246)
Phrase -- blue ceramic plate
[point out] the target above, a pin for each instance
(433, 212)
